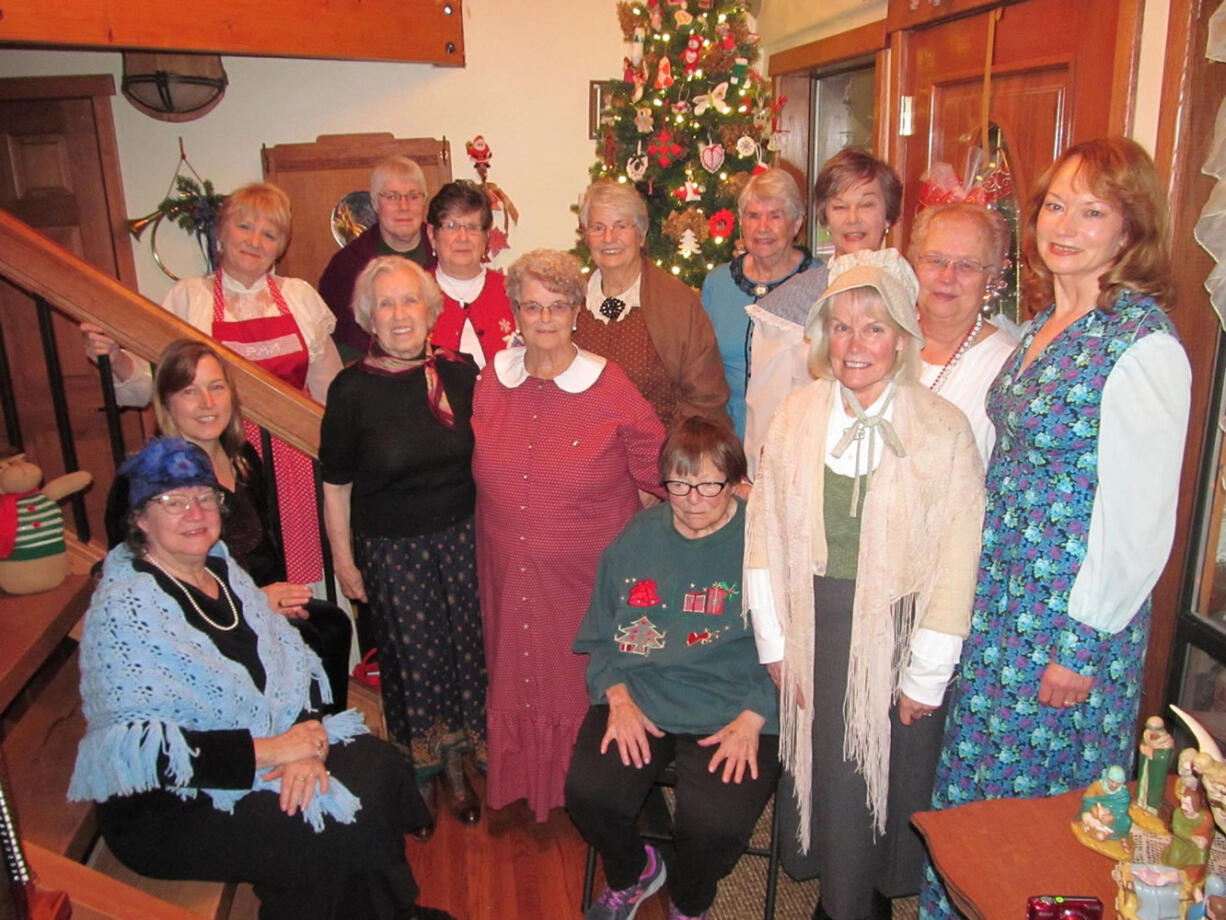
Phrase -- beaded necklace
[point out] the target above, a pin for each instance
(191, 600)
(962, 349)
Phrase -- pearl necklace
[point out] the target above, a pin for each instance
(962, 349)
(191, 600)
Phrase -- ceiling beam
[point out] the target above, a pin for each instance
(425, 31)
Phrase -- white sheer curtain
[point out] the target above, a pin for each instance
(1211, 227)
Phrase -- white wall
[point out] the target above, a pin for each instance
(525, 88)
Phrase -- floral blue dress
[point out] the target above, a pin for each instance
(1041, 485)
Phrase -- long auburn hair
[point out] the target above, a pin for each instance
(176, 370)
(1119, 171)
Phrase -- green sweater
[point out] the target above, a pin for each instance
(665, 620)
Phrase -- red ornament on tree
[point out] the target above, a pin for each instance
(665, 148)
(721, 223)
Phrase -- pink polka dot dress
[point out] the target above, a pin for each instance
(558, 465)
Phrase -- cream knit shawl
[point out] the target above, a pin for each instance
(918, 561)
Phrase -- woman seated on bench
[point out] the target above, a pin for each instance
(674, 678)
(204, 750)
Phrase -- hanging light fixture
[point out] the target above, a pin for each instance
(173, 87)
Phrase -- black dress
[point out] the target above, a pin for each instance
(346, 871)
(247, 531)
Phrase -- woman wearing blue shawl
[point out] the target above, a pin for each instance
(203, 748)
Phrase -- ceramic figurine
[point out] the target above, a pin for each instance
(1192, 827)
(1104, 806)
(1157, 747)
(1149, 892)
(32, 551)
(1208, 767)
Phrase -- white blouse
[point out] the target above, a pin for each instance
(192, 301)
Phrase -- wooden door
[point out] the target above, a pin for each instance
(1056, 80)
(318, 175)
(59, 173)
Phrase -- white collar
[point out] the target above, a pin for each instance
(595, 297)
(464, 289)
(229, 281)
(583, 371)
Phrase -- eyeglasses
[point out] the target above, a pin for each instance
(534, 309)
(964, 268)
(397, 197)
(618, 227)
(706, 489)
(452, 226)
(177, 503)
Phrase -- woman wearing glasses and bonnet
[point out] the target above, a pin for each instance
(673, 678)
(959, 252)
(564, 444)
(204, 746)
(861, 548)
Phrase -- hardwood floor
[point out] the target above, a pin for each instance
(507, 866)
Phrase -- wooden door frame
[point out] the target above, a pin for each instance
(1192, 89)
(99, 89)
(793, 71)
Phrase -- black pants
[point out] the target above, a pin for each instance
(327, 630)
(352, 871)
(713, 820)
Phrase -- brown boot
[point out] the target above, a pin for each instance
(463, 799)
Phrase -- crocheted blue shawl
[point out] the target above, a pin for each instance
(147, 676)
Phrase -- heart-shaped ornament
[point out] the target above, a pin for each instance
(712, 157)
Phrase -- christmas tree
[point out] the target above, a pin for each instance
(689, 123)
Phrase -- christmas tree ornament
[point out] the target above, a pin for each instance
(727, 40)
(681, 106)
(655, 15)
(682, 18)
(636, 165)
(689, 191)
(718, 101)
(639, 78)
(664, 75)
(689, 244)
(739, 68)
(711, 156)
(644, 121)
(705, 4)
(682, 4)
(636, 46)
(761, 117)
(701, 103)
(746, 146)
(665, 148)
(722, 223)
(689, 56)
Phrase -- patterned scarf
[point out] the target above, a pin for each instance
(378, 361)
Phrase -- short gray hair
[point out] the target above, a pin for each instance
(396, 167)
(991, 224)
(559, 272)
(364, 288)
(774, 184)
(906, 369)
(621, 198)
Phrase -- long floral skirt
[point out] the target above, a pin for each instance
(426, 617)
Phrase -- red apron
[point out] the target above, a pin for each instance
(276, 344)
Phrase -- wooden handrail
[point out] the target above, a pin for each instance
(35, 263)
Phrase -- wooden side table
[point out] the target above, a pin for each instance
(994, 855)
